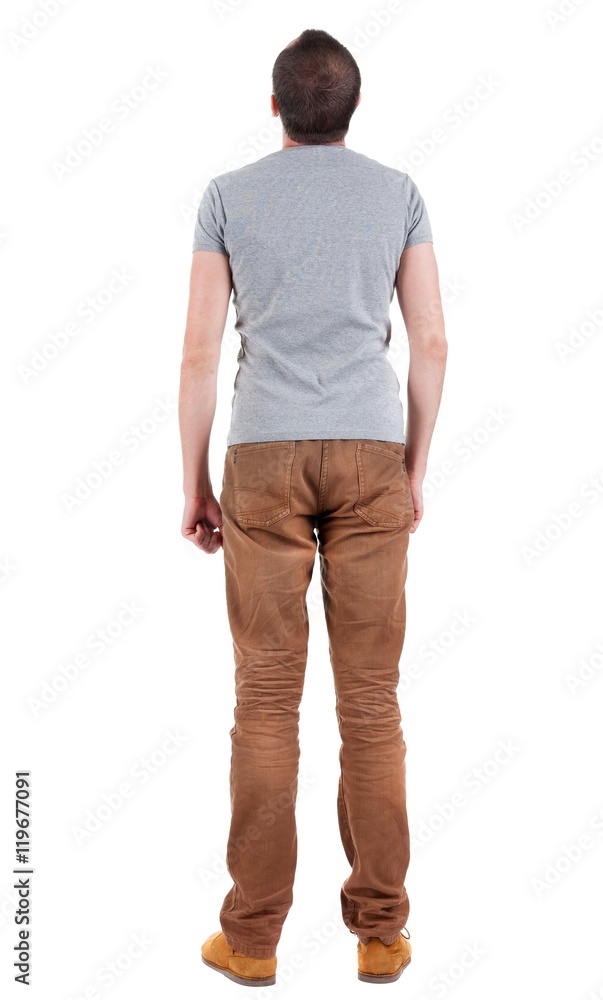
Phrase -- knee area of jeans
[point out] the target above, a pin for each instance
(386, 725)
(282, 744)
(372, 744)
(267, 712)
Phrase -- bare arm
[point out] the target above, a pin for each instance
(418, 290)
(210, 288)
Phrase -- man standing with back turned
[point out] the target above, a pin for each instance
(313, 239)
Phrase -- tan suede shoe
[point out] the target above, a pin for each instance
(383, 963)
(217, 953)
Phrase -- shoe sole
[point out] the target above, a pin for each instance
(365, 977)
(241, 980)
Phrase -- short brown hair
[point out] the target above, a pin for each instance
(316, 83)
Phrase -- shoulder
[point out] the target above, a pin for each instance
(239, 178)
(384, 171)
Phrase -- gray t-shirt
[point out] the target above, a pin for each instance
(314, 236)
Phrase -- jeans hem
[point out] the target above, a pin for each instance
(385, 939)
(251, 950)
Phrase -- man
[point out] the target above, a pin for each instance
(313, 239)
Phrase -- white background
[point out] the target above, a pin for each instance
(494, 874)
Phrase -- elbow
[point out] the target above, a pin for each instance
(199, 363)
(432, 345)
(438, 345)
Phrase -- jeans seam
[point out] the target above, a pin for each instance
(247, 949)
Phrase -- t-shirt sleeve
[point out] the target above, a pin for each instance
(418, 225)
(210, 222)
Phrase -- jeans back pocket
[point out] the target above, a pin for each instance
(384, 496)
(262, 481)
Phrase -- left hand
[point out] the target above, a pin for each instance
(202, 515)
(416, 489)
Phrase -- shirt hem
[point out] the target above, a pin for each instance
(211, 249)
(420, 239)
(300, 435)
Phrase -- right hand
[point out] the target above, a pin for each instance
(202, 516)
(416, 489)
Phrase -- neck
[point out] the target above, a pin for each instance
(289, 142)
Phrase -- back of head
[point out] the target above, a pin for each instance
(316, 83)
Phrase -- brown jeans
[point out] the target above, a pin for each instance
(280, 501)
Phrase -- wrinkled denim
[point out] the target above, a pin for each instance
(282, 501)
